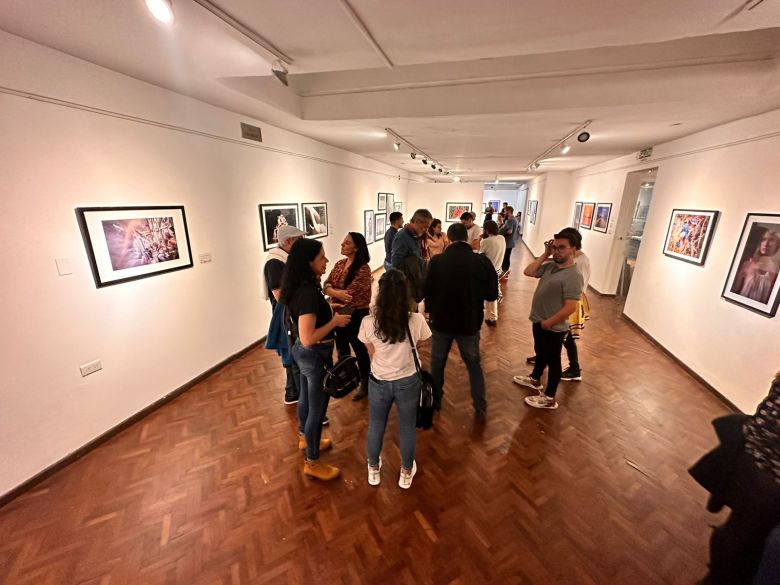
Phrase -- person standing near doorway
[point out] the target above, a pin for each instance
(508, 231)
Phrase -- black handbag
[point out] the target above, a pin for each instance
(425, 405)
(342, 378)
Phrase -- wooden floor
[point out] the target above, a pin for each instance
(208, 489)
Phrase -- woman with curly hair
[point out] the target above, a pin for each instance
(312, 325)
(389, 332)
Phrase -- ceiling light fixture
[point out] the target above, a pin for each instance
(456, 179)
(397, 145)
(441, 170)
(433, 167)
(579, 132)
(583, 136)
(495, 182)
(161, 10)
(400, 141)
(566, 148)
(425, 161)
(279, 71)
(413, 155)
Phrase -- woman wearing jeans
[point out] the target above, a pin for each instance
(393, 373)
(313, 323)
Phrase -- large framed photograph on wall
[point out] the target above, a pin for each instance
(575, 222)
(381, 201)
(130, 243)
(315, 219)
(453, 211)
(272, 217)
(689, 234)
(601, 219)
(586, 220)
(752, 281)
(380, 221)
(368, 226)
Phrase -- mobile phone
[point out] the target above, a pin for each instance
(348, 310)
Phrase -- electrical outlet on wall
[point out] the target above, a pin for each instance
(90, 368)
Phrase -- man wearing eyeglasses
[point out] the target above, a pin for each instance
(556, 296)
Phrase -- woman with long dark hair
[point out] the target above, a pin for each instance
(349, 284)
(313, 324)
(386, 333)
(435, 240)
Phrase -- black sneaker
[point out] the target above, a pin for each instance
(325, 421)
(290, 399)
(530, 360)
(571, 375)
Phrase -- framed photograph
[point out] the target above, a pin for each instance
(575, 222)
(381, 222)
(689, 234)
(381, 201)
(586, 219)
(315, 219)
(272, 217)
(453, 211)
(398, 206)
(130, 243)
(390, 202)
(534, 207)
(495, 204)
(369, 229)
(601, 221)
(752, 281)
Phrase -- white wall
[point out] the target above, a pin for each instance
(155, 334)
(553, 191)
(434, 197)
(734, 169)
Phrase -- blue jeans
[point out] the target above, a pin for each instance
(468, 345)
(313, 401)
(381, 395)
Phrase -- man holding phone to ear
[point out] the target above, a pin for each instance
(556, 296)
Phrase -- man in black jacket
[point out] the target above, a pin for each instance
(458, 284)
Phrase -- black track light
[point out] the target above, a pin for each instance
(425, 161)
(413, 155)
(397, 145)
(583, 136)
(433, 167)
(441, 170)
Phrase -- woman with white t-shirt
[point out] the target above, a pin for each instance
(385, 332)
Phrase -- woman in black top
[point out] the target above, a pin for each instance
(313, 323)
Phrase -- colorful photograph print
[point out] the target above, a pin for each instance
(601, 222)
(689, 234)
(315, 219)
(128, 243)
(381, 201)
(753, 278)
(453, 211)
(380, 221)
(586, 221)
(495, 204)
(575, 222)
(272, 217)
(368, 226)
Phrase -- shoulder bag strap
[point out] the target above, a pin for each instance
(414, 350)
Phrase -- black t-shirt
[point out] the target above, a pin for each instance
(307, 300)
(273, 277)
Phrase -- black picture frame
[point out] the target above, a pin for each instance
(454, 209)
(601, 224)
(589, 224)
(369, 228)
(676, 243)
(124, 243)
(315, 220)
(270, 222)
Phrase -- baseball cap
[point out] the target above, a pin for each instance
(286, 232)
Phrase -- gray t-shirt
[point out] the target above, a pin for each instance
(556, 286)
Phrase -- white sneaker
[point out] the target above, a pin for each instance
(529, 382)
(541, 401)
(373, 473)
(405, 480)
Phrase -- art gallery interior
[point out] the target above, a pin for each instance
(103, 106)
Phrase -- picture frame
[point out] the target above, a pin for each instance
(753, 281)
(586, 219)
(381, 201)
(453, 210)
(272, 217)
(130, 243)
(398, 206)
(601, 217)
(390, 202)
(369, 229)
(495, 204)
(534, 207)
(380, 226)
(315, 220)
(689, 234)
(575, 222)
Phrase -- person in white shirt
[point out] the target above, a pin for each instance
(474, 231)
(386, 332)
(494, 247)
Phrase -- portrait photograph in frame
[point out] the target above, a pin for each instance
(753, 280)
(575, 222)
(272, 217)
(453, 211)
(601, 217)
(315, 219)
(380, 221)
(586, 219)
(689, 234)
(381, 201)
(368, 226)
(130, 243)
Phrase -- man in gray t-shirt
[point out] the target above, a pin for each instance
(556, 296)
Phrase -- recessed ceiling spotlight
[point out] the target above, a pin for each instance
(583, 136)
(425, 161)
(161, 10)
(397, 145)
(456, 179)
(566, 148)
(413, 155)
(441, 170)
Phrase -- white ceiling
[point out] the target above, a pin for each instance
(483, 86)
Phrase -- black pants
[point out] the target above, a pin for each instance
(548, 345)
(505, 263)
(348, 336)
(571, 352)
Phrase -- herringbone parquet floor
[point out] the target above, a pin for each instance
(208, 489)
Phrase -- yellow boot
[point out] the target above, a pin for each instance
(325, 444)
(317, 470)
